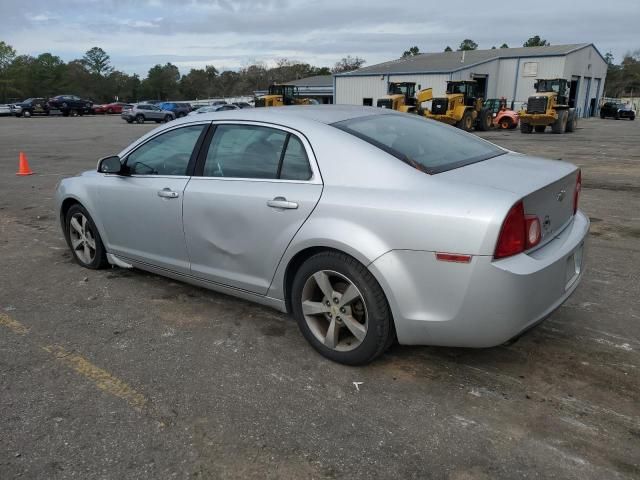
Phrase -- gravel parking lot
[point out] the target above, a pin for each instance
(123, 374)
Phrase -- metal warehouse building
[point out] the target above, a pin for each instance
(505, 72)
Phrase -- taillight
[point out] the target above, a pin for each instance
(519, 232)
(512, 239)
(576, 193)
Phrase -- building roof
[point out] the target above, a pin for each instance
(315, 81)
(446, 62)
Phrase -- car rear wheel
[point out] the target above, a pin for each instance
(83, 239)
(572, 121)
(167, 118)
(341, 309)
(139, 118)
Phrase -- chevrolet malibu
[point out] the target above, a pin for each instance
(366, 224)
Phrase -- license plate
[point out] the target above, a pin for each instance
(574, 267)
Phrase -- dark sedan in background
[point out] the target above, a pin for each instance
(617, 111)
(70, 105)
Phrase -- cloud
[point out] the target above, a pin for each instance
(231, 33)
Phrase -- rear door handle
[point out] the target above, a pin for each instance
(167, 193)
(281, 202)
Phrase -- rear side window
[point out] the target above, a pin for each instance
(426, 145)
(248, 151)
(295, 164)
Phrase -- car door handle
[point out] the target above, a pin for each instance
(167, 193)
(281, 202)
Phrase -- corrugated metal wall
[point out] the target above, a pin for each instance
(351, 90)
(592, 71)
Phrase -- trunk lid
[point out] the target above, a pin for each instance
(546, 187)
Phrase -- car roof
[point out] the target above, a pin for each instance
(326, 114)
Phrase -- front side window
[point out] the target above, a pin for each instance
(426, 145)
(249, 151)
(166, 154)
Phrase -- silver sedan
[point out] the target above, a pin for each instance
(367, 225)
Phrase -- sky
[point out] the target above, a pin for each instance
(230, 34)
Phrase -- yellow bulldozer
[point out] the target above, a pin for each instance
(462, 106)
(280, 95)
(550, 106)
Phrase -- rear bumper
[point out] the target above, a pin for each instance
(483, 303)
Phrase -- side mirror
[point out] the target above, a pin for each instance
(110, 164)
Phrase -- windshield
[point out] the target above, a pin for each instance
(426, 145)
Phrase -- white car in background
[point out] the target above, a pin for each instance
(215, 108)
(5, 110)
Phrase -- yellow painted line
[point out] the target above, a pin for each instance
(101, 378)
(13, 325)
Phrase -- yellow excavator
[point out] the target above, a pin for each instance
(280, 95)
(462, 106)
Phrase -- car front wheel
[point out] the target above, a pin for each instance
(140, 118)
(341, 309)
(83, 238)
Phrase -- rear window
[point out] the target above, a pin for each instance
(426, 145)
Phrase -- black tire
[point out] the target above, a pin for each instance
(73, 113)
(129, 121)
(466, 122)
(484, 120)
(65, 113)
(139, 118)
(506, 123)
(526, 127)
(572, 121)
(100, 258)
(632, 118)
(109, 111)
(167, 118)
(617, 116)
(540, 128)
(560, 125)
(601, 115)
(380, 329)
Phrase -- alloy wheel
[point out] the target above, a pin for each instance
(334, 310)
(82, 238)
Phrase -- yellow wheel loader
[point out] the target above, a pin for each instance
(280, 95)
(462, 106)
(549, 107)
(402, 97)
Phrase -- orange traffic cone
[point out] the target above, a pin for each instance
(23, 166)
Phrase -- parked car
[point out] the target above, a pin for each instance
(214, 108)
(70, 105)
(414, 229)
(502, 117)
(617, 111)
(5, 110)
(180, 109)
(31, 106)
(242, 104)
(109, 108)
(144, 112)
